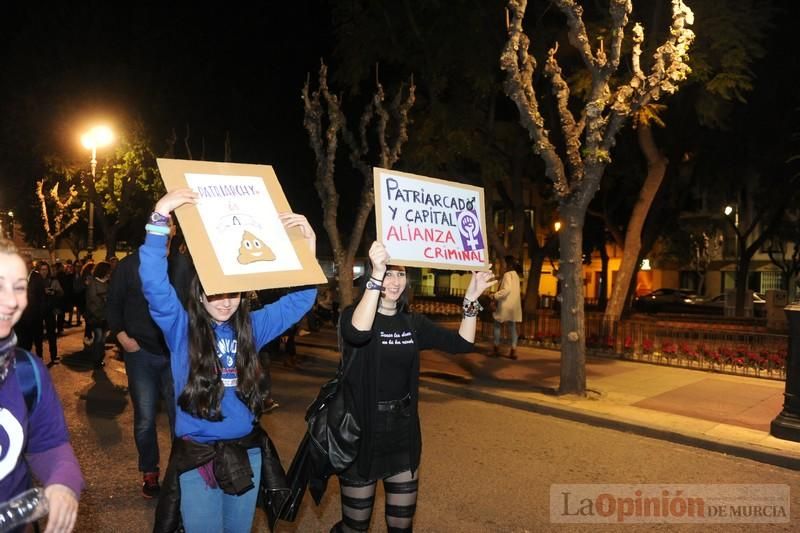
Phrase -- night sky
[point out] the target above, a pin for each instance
(231, 67)
(225, 68)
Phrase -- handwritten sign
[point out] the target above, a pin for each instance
(427, 222)
(234, 234)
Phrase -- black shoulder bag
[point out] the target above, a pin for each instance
(333, 430)
(329, 446)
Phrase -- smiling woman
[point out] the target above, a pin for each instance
(32, 426)
(13, 288)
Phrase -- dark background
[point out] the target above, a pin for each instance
(240, 68)
(236, 68)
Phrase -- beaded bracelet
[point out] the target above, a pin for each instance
(471, 308)
(157, 230)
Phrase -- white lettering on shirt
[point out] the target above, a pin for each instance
(394, 338)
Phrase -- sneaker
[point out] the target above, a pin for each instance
(512, 355)
(150, 486)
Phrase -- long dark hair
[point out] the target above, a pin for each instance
(202, 395)
(513, 264)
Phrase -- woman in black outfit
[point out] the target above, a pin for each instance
(383, 383)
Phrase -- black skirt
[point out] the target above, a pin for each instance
(391, 450)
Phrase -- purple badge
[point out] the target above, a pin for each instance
(469, 226)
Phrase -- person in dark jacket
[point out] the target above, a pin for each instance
(53, 296)
(30, 328)
(385, 340)
(96, 294)
(63, 272)
(146, 364)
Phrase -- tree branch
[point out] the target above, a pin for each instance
(519, 67)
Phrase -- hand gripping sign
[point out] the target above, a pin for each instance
(236, 239)
(427, 222)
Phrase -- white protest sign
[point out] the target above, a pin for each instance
(242, 224)
(428, 222)
(234, 234)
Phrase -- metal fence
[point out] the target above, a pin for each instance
(708, 345)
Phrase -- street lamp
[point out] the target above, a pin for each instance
(733, 210)
(92, 139)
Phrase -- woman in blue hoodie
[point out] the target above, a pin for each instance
(220, 386)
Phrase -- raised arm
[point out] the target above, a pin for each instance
(364, 313)
(164, 304)
(480, 282)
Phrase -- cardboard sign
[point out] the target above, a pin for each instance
(234, 234)
(427, 222)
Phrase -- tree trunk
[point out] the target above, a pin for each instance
(344, 275)
(346, 258)
(742, 269)
(110, 233)
(570, 272)
(534, 275)
(656, 169)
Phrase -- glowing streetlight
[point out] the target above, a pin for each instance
(557, 225)
(92, 140)
(728, 210)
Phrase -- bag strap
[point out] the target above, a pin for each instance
(28, 377)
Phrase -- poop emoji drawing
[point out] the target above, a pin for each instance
(253, 249)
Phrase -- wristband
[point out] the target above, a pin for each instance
(157, 219)
(471, 308)
(379, 280)
(157, 230)
(371, 286)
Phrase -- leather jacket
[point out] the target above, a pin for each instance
(231, 469)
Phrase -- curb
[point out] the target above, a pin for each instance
(752, 452)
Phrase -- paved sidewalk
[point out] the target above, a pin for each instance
(725, 413)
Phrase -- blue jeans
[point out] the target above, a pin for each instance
(149, 378)
(512, 326)
(204, 509)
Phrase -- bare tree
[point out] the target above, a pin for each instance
(58, 212)
(588, 140)
(321, 106)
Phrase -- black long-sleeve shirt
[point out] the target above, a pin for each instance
(126, 308)
(368, 381)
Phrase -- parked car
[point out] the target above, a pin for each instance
(716, 305)
(667, 300)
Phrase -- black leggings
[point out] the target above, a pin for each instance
(401, 502)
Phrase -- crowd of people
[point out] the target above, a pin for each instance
(202, 355)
